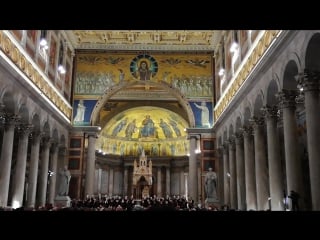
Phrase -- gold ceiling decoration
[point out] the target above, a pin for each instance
(145, 40)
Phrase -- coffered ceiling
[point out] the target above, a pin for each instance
(180, 40)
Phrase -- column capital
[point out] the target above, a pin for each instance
(37, 134)
(238, 137)
(46, 141)
(91, 134)
(247, 131)
(225, 147)
(231, 143)
(309, 80)
(25, 129)
(54, 144)
(194, 136)
(287, 98)
(256, 121)
(10, 120)
(270, 112)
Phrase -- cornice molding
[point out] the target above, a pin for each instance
(256, 55)
(29, 68)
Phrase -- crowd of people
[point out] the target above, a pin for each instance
(119, 203)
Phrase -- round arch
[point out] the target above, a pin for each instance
(113, 90)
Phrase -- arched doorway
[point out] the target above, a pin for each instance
(142, 188)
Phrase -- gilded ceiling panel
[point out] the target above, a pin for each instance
(145, 40)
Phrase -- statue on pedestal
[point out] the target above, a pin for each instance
(64, 181)
(211, 185)
(62, 199)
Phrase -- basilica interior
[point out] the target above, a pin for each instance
(146, 116)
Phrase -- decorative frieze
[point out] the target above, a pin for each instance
(27, 67)
(243, 74)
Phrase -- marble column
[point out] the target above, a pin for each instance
(226, 175)
(6, 157)
(293, 163)
(310, 83)
(182, 183)
(274, 159)
(20, 169)
(233, 175)
(159, 193)
(2, 123)
(125, 181)
(220, 174)
(186, 194)
(168, 191)
(98, 179)
(241, 191)
(33, 169)
(249, 168)
(53, 174)
(261, 164)
(91, 158)
(193, 169)
(43, 174)
(111, 173)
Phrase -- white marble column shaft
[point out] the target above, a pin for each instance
(20, 169)
(274, 159)
(293, 163)
(33, 170)
(261, 164)
(168, 191)
(125, 181)
(43, 174)
(226, 178)
(310, 84)
(111, 178)
(249, 165)
(53, 177)
(233, 175)
(193, 169)
(159, 192)
(241, 190)
(6, 158)
(91, 157)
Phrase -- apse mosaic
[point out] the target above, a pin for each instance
(157, 131)
(188, 73)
